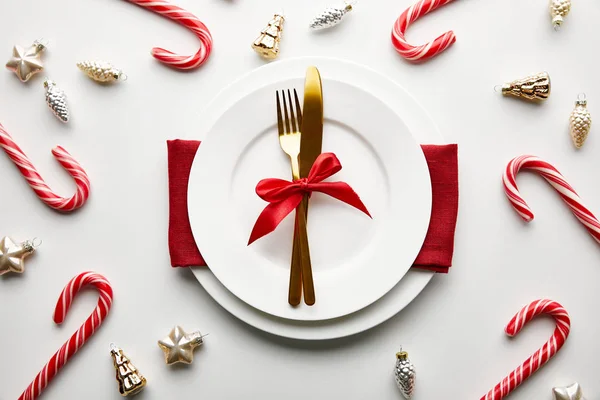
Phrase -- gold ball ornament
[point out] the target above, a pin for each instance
(26, 62)
(179, 346)
(12, 255)
(580, 121)
(101, 71)
(572, 392)
(128, 377)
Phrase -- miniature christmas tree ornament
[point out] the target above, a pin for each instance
(267, 43)
(580, 121)
(179, 346)
(12, 254)
(572, 392)
(56, 100)
(405, 374)
(130, 380)
(535, 87)
(558, 10)
(26, 62)
(101, 71)
(331, 16)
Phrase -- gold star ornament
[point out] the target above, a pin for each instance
(12, 255)
(179, 346)
(572, 392)
(26, 62)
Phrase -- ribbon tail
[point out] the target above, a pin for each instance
(343, 192)
(272, 215)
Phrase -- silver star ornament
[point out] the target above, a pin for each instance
(179, 346)
(26, 62)
(572, 392)
(12, 255)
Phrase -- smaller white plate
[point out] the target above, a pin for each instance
(355, 260)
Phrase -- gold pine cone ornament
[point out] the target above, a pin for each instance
(101, 71)
(580, 122)
(558, 10)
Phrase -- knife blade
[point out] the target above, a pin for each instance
(311, 142)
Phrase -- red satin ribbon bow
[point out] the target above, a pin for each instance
(284, 196)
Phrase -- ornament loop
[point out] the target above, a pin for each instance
(581, 96)
(35, 242)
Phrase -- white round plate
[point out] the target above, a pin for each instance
(419, 123)
(355, 260)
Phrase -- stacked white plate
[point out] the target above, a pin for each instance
(361, 266)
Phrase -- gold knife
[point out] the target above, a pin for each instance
(310, 148)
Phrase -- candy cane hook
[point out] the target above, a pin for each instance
(62, 356)
(543, 354)
(427, 50)
(191, 22)
(36, 182)
(558, 182)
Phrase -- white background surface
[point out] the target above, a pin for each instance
(453, 331)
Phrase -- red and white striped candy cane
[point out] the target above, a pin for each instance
(558, 182)
(36, 182)
(543, 354)
(191, 22)
(427, 50)
(62, 356)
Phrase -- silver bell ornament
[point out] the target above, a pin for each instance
(405, 374)
(580, 121)
(331, 16)
(57, 100)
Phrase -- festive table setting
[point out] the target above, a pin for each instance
(282, 199)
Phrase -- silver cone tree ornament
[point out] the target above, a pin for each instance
(330, 17)
(101, 71)
(558, 10)
(57, 100)
(405, 374)
(580, 122)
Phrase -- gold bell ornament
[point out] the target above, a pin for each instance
(558, 10)
(580, 121)
(534, 87)
(130, 380)
(267, 43)
(101, 71)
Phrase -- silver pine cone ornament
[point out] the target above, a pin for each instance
(57, 100)
(330, 17)
(405, 374)
(558, 10)
(580, 122)
(101, 71)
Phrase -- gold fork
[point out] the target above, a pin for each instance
(289, 140)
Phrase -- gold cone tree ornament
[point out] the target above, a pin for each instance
(129, 379)
(267, 43)
(534, 87)
(558, 10)
(580, 121)
(101, 71)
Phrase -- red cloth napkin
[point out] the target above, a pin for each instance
(437, 250)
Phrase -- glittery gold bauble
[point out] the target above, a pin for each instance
(130, 380)
(534, 87)
(179, 346)
(580, 122)
(558, 10)
(101, 71)
(267, 43)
